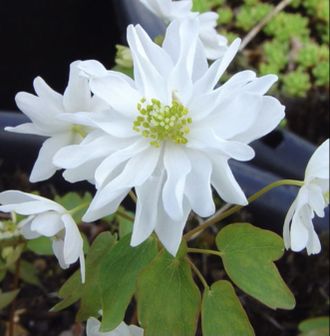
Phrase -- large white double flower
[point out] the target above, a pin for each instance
(175, 132)
(313, 197)
(45, 112)
(46, 218)
(215, 45)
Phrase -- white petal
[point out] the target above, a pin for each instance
(73, 156)
(26, 204)
(113, 161)
(233, 117)
(134, 330)
(177, 167)
(25, 228)
(157, 55)
(262, 85)
(95, 212)
(149, 196)
(316, 199)
(318, 165)
(216, 70)
(148, 79)
(286, 227)
(207, 140)
(299, 231)
(225, 183)
(313, 244)
(27, 128)
(41, 112)
(118, 93)
(47, 224)
(170, 231)
(93, 327)
(92, 69)
(198, 184)
(73, 243)
(77, 96)
(181, 76)
(47, 93)
(137, 170)
(44, 168)
(58, 249)
(270, 115)
(84, 172)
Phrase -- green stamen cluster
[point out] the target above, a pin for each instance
(80, 130)
(160, 122)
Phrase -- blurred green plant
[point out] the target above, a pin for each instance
(294, 44)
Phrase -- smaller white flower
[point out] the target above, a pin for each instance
(93, 329)
(312, 198)
(47, 218)
(9, 229)
(215, 45)
(47, 111)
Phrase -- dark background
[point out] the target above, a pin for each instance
(42, 38)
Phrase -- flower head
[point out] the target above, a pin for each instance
(93, 329)
(49, 219)
(214, 44)
(312, 198)
(45, 111)
(175, 131)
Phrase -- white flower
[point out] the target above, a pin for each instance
(44, 111)
(175, 132)
(215, 45)
(49, 219)
(313, 197)
(93, 329)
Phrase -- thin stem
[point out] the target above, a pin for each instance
(198, 273)
(125, 215)
(13, 304)
(251, 35)
(219, 216)
(78, 208)
(203, 251)
(133, 196)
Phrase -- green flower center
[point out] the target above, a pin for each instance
(160, 122)
(327, 197)
(79, 130)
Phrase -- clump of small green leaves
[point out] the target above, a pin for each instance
(294, 44)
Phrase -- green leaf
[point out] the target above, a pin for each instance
(3, 270)
(41, 246)
(118, 278)
(7, 298)
(222, 312)
(125, 224)
(73, 200)
(248, 255)
(27, 272)
(318, 326)
(88, 293)
(168, 298)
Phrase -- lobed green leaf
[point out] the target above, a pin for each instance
(222, 312)
(168, 298)
(248, 255)
(120, 269)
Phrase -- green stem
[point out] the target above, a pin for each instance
(198, 273)
(124, 215)
(133, 196)
(222, 215)
(78, 208)
(203, 251)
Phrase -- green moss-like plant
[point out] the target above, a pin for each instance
(294, 44)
